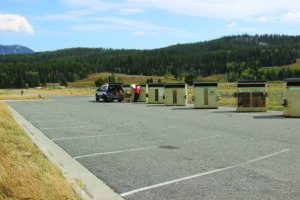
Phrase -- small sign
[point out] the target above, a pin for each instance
(295, 88)
(252, 90)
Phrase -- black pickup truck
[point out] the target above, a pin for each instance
(110, 92)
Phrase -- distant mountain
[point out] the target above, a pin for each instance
(14, 49)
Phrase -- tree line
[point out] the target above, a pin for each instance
(239, 57)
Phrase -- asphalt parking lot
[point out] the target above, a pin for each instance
(146, 152)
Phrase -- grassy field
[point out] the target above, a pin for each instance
(216, 77)
(292, 66)
(127, 79)
(25, 172)
(6, 95)
(65, 91)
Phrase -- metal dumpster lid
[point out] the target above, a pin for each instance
(115, 83)
(292, 79)
(175, 83)
(206, 83)
(156, 84)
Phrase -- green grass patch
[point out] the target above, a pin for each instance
(276, 107)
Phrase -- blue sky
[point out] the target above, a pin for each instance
(141, 24)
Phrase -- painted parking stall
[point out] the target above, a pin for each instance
(147, 151)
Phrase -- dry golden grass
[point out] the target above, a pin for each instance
(5, 95)
(292, 66)
(25, 172)
(275, 95)
(127, 79)
(65, 91)
(215, 77)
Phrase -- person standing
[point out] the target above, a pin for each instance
(136, 93)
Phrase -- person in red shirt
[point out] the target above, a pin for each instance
(136, 93)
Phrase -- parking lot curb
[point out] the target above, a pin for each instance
(86, 184)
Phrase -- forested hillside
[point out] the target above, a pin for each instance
(14, 49)
(240, 57)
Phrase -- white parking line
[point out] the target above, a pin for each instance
(52, 121)
(139, 149)
(114, 152)
(90, 136)
(67, 127)
(202, 174)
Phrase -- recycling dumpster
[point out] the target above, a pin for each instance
(175, 94)
(143, 92)
(291, 97)
(156, 93)
(127, 92)
(251, 96)
(205, 94)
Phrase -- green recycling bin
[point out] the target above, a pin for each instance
(291, 97)
(175, 94)
(156, 93)
(205, 94)
(251, 96)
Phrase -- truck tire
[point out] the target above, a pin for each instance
(97, 99)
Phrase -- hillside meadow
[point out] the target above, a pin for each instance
(120, 78)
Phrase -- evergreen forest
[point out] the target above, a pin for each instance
(239, 57)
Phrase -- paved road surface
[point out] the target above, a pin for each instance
(157, 152)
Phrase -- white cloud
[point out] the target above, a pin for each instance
(231, 25)
(93, 27)
(263, 19)
(291, 18)
(76, 15)
(139, 33)
(267, 20)
(139, 27)
(101, 5)
(226, 9)
(15, 23)
(254, 10)
(130, 10)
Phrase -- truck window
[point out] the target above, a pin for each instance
(103, 87)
